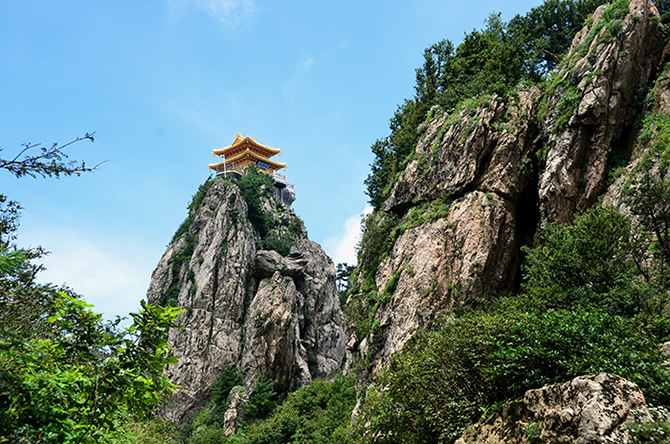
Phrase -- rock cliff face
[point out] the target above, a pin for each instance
(586, 410)
(246, 307)
(485, 177)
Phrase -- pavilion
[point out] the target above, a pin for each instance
(246, 152)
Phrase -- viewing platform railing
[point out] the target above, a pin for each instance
(241, 170)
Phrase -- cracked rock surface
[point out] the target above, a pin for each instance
(586, 410)
(267, 315)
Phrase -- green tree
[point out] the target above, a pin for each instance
(67, 376)
(342, 275)
(572, 266)
(649, 199)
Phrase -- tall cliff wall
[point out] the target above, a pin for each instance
(484, 178)
(247, 306)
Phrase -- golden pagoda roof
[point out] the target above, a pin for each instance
(243, 143)
(245, 155)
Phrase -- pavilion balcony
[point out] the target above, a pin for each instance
(280, 180)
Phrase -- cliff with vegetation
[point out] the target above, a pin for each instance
(261, 308)
(512, 282)
(487, 175)
(511, 222)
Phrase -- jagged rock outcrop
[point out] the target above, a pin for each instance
(484, 148)
(592, 105)
(503, 166)
(441, 265)
(586, 410)
(245, 307)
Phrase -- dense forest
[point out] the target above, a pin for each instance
(586, 303)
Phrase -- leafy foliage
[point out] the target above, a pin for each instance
(651, 426)
(153, 431)
(230, 378)
(444, 380)
(261, 400)
(253, 185)
(280, 244)
(571, 266)
(66, 375)
(319, 412)
(649, 199)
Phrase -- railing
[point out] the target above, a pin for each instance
(241, 170)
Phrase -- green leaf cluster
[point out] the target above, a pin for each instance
(254, 185)
(66, 376)
(319, 412)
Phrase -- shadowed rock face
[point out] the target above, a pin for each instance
(586, 410)
(268, 315)
(506, 166)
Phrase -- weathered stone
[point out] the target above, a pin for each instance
(271, 316)
(586, 410)
(234, 416)
(608, 74)
(443, 264)
(485, 148)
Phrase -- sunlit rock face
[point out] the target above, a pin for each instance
(269, 316)
(586, 410)
(606, 74)
(500, 168)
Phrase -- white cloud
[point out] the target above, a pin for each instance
(292, 85)
(229, 12)
(114, 277)
(342, 247)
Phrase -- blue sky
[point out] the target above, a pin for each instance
(163, 82)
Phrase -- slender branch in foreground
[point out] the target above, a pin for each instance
(48, 162)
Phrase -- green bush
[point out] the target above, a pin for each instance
(586, 263)
(261, 401)
(319, 412)
(651, 426)
(66, 376)
(219, 397)
(254, 185)
(280, 244)
(153, 431)
(210, 434)
(435, 386)
(556, 346)
(442, 381)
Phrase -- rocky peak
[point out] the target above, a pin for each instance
(485, 177)
(262, 303)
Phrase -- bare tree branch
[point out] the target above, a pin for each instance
(48, 162)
